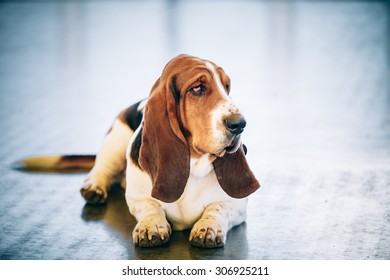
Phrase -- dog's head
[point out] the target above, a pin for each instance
(190, 113)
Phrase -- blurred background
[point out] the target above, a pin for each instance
(311, 77)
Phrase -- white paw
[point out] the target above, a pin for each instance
(152, 231)
(94, 192)
(207, 233)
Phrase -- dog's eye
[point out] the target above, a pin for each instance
(197, 90)
(227, 87)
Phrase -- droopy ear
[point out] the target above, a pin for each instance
(164, 151)
(234, 174)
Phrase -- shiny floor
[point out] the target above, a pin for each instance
(312, 78)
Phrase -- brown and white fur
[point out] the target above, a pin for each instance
(179, 156)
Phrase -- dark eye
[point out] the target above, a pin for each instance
(197, 90)
(227, 87)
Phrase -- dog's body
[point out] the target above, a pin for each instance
(179, 156)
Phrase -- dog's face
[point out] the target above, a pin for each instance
(190, 113)
(210, 120)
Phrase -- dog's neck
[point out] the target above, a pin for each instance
(201, 166)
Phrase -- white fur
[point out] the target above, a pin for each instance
(225, 108)
(142, 105)
(217, 80)
(111, 159)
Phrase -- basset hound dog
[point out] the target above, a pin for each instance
(180, 157)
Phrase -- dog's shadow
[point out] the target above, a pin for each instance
(116, 215)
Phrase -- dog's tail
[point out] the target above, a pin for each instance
(56, 163)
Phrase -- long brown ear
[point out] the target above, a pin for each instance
(234, 174)
(164, 151)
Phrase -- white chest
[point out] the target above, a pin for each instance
(201, 190)
(184, 212)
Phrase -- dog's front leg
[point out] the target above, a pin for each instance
(110, 162)
(218, 218)
(152, 229)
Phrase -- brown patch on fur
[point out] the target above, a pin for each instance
(79, 162)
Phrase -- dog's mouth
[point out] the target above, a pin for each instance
(232, 147)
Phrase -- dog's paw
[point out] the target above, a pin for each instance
(93, 193)
(207, 235)
(151, 232)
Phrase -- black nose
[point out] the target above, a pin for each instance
(235, 123)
